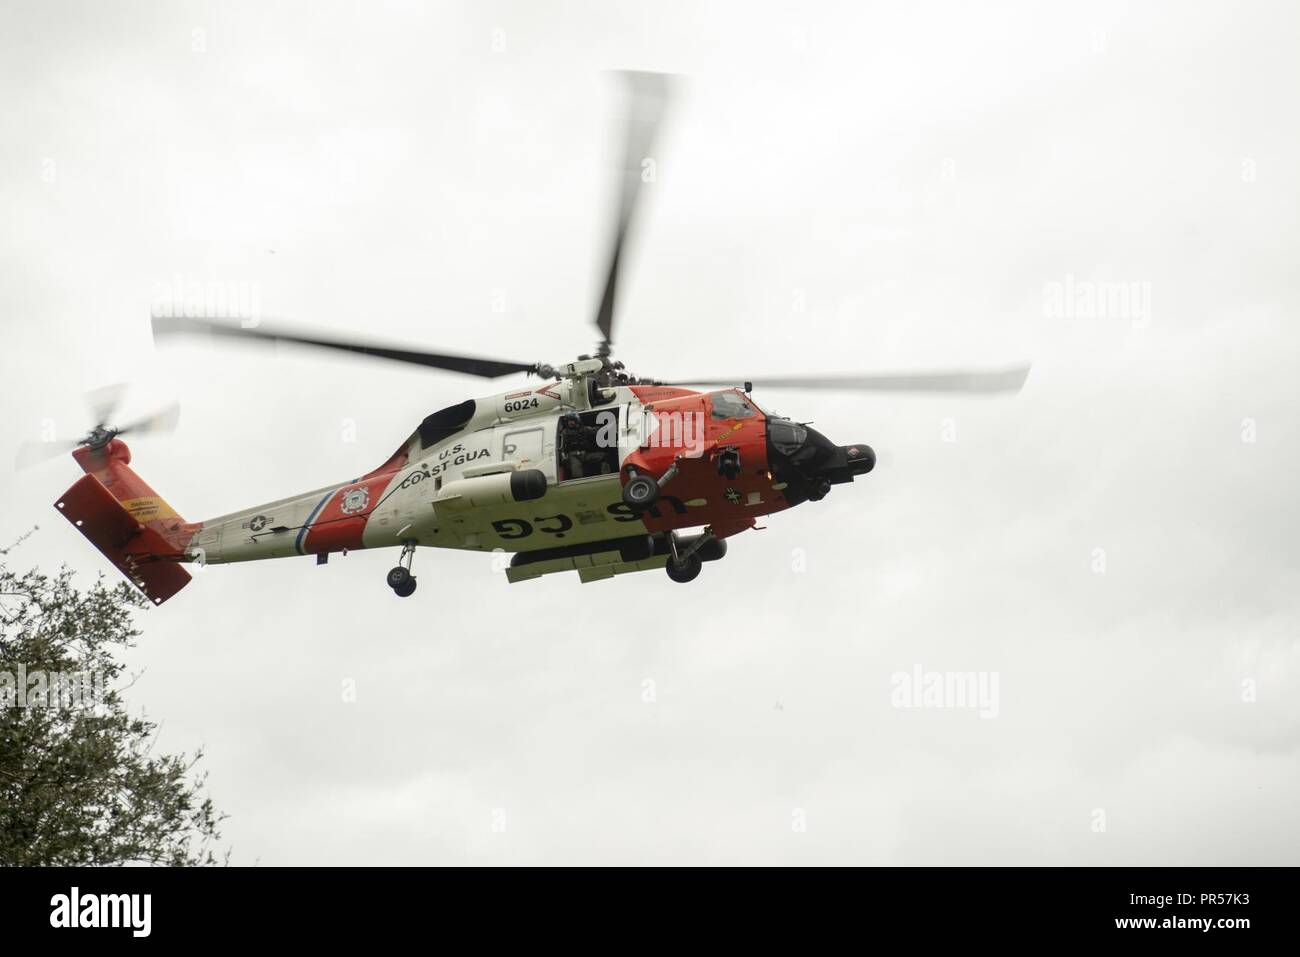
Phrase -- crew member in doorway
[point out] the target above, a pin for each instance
(582, 454)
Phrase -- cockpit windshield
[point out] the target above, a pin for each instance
(785, 436)
(729, 405)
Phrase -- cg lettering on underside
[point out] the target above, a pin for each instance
(514, 529)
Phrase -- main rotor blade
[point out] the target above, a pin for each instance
(647, 98)
(470, 365)
(164, 420)
(34, 453)
(971, 381)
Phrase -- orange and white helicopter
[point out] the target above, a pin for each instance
(595, 470)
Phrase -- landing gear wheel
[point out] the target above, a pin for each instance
(406, 589)
(641, 491)
(399, 577)
(713, 550)
(686, 570)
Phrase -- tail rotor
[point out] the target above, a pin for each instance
(103, 404)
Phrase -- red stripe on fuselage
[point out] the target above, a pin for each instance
(342, 521)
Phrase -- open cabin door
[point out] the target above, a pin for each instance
(592, 447)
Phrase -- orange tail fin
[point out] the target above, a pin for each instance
(128, 521)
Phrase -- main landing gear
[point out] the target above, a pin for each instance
(684, 569)
(642, 490)
(399, 578)
(686, 558)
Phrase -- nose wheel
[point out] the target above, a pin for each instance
(399, 578)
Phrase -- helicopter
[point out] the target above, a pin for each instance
(594, 470)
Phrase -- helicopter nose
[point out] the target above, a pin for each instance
(861, 458)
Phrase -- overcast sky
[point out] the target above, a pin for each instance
(840, 188)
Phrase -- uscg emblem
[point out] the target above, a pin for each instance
(355, 500)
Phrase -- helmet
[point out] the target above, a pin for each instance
(570, 420)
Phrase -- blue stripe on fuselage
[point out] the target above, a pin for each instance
(306, 526)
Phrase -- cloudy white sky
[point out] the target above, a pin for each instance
(841, 188)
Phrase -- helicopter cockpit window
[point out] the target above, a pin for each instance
(786, 437)
(729, 405)
(445, 423)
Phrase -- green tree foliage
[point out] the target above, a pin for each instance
(82, 785)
